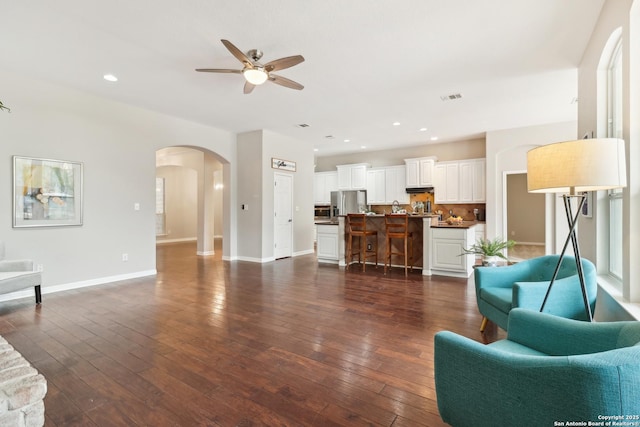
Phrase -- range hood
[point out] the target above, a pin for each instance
(419, 190)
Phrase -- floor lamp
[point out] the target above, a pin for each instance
(572, 168)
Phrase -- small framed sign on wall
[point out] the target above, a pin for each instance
(286, 165)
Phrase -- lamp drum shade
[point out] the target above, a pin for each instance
(574, 166)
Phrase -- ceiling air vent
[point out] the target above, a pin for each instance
(303, 125)
(451, 97)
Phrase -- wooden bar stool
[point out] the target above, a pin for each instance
(397, 227)
(357, 228)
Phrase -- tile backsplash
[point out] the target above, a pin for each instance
(463, 210)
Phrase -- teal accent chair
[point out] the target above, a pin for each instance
(547, 369)
(524, 284)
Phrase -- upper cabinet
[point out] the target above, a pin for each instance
(395, 184)
(386, 184)
(352, 177)
(323, 184)
(376, 182)
(447, 182)
(419, 172)
(460, 181)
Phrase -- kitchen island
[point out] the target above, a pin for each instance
(436, 245)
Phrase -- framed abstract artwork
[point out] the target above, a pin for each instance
(46, 192)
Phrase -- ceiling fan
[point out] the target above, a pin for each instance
(256, 73)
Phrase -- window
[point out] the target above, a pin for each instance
(614, 130)
(160, 211)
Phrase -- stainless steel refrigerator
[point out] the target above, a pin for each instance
(348, 201)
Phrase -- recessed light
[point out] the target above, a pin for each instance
(434, 138)
(363, 146)
(396, 123)
(423, 129)
(347, 140)
(110, 78)
(315, 149)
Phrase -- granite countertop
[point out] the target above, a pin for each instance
(377, 215)
(463, 224)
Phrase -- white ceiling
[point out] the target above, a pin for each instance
(368, 63)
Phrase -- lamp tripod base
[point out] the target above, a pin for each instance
(572, 220)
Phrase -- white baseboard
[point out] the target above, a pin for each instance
(205, 253)
(185, 239)
(76, 285)
(252, 259)
(307, 252)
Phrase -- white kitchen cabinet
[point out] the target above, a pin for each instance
(327, 243)
(472, 181)
(447, 245)
(479, 180)
(376, 186)
(352, 177)
(460, 181)
(395, 185)
(386, 184)
(447, 182)
(323, 184)
(419, 172)
(466, 181)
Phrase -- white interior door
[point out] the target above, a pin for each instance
(283, 215)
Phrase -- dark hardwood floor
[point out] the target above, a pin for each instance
(214, 343)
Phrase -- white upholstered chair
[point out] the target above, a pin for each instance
(16, 275)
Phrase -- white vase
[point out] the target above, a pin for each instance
(490, 261)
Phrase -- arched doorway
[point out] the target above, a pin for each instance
(189, 197)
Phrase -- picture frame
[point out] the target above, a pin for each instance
(587, 207)
(46, 192)
(287, 165)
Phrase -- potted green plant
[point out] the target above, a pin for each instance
(2, 107)
(490, 249)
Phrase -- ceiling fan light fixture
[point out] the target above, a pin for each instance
(255, 76)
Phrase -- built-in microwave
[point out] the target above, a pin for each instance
(322, 212)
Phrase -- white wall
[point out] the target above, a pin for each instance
(117, 145)
(507, 152)
(250, 191)
(255, 185)
(282, 147)
(458, 150)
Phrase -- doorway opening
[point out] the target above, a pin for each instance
(525, 218)
(189, 198)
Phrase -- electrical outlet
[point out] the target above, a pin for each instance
(125, 257)
(369, 247)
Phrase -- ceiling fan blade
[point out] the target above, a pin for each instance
(283, 81)
(218, 70)
(237, 53)
(248, 88)
(282, 63)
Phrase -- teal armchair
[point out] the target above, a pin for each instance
(524, 284)
(548, 369)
